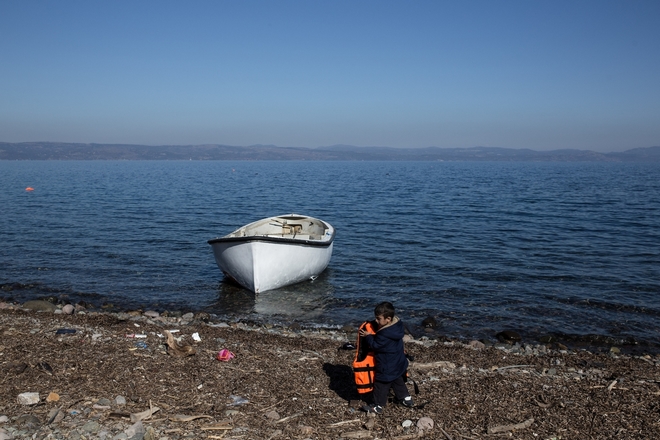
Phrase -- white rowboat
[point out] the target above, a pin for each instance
(275, 251)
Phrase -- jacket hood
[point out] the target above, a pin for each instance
(393, 330)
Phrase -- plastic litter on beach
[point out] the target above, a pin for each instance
(225, 355)
(175, 349)
(238, 400)
(196, 337)
(65, 331)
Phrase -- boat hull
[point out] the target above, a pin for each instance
(259, 259)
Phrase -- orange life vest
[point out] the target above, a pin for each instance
(364, 362)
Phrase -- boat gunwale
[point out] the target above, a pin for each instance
(271, 239)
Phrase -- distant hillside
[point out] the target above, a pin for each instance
(73, 151)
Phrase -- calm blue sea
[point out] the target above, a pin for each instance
(540, 248)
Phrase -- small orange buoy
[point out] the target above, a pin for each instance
(29, 188)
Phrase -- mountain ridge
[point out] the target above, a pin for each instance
(339, 152)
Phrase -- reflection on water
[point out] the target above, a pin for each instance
(303, 301)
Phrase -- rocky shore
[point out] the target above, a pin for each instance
(71, 373)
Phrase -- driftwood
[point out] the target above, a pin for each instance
(356, 434)
(216, 427)
(289, 418)
(437, 364)
(182, 418)
(136, 417)
(506, 428)
(509, 367)
(345, 422)
(542, 402)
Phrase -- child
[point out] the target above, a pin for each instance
(390, 360)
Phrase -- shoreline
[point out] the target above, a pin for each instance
(297, 383)
(593, 342)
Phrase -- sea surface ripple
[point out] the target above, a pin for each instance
(540, 248)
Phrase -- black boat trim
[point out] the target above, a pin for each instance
(316, 243)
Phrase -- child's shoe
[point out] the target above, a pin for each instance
(373, 408)
(407, 402)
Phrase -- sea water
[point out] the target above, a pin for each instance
(569, 249)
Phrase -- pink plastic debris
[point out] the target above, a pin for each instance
(225, 355)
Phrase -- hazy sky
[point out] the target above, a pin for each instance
(518, 74)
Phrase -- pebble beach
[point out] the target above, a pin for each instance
(72, 373)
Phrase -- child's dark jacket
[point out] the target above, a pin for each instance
(387, 345)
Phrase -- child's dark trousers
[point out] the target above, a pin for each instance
(381, 389)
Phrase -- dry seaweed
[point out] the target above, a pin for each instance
(307, 381)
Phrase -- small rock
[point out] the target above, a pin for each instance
(407, 423)
(425, 424)
(120, 400)
(104, 402)
(29, 420)
(151, 314)
(203, 316)
(4, 419)
(136, 431)
(4, 435)
(477, 345)
(28, 398)
(92, 427)
(430, 322)
(187, 316)
(52, 397)
(303, 429)
(150, 434)
(55, 416)
(40, 306)
(272, 415)
(508, 337)
(68, 309)
(615, 350)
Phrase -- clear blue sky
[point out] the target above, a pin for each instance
(517, 74)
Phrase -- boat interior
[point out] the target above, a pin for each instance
(303, 228)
